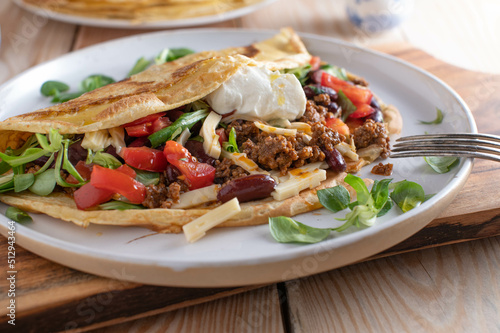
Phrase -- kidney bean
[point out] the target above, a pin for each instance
(173, 115)
(316, 76)
(335, 160)
(376, 116)
(247, 188)
(333, 108)
(171, 173)
(76, 152)
(374, 104)
(309, 92)
(196, 149)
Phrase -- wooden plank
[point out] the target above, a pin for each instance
(446, 289)
(28, 39)
(254, 311)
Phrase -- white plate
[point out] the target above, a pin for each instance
(119, 23)
(247, 255)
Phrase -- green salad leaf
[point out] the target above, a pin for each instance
(345, 103)
(231, 145)
(441, 164)
(18, 215)
(187, 120)
(336, 71)
(408, 195)
(119, 205)
(437, 121)
(286, 230)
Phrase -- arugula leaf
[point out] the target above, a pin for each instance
(334, 198)
(119, 205)
(141, 64)
(45, 183)
(338, 72)
(187, 120)
(286, 230)
(441, 164)
(18, 215)
(345, 103)
(437, 121)
(408, 195)
(51, 88)
(231, 145)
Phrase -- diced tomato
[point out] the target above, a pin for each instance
(197, 174)
(147, 125)
(315, 62)
(144, 158)
(89, 196)
(338, 125)
(357, 95)
(362, 111)
(160, 123)
(221, 132)
(118, 182)
(147, 119)
(139, 142)
(139, 130)
(127, 170)
(353, 123)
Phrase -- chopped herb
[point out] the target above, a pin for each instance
(441, 164)
(345, 104)
(18, 215)
(231, 145)
(437, 121)
(338, 72)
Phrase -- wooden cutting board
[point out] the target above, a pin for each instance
(51, 297)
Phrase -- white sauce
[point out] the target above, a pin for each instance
(257, 93)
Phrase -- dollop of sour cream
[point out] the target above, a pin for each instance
(257, 93)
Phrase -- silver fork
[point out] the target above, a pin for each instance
(486, 146)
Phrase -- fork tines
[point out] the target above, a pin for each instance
(484, 146)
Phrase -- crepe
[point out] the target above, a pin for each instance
(160, 88)
(142, 10)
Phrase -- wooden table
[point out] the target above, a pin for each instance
(454, 288)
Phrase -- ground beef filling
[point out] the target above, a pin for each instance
(278, 152)
(317, 110)
(226, 171)
(372, 133)
(165, 193)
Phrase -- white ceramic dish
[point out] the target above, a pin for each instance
(249, 255)
(119, 23)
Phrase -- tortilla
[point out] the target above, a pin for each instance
(160, 88)
(138, 11)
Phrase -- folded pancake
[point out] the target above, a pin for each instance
(139, 11)
(161, 88)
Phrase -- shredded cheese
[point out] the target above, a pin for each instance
(184, 136)
(243, 161)
(210, 139)
(298, 179)
(302, 127)
(197, 197)
(117, 139)
(96, 140)
(347, 150)
(275, 130)
(196, 229)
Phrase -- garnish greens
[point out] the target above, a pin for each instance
(300, 72)
(441, 164)
(52, 146)
(164, 56)
(437, 121)
(338, 72)
(364, 211)
(231, 145)
(18, 215)
(345, 103)
(186, 120)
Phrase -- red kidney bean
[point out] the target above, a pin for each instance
(196, 149)
(247, 188)
(171, 173)
(376, 116)
(374, 104)
(335, 160)
(316, 76)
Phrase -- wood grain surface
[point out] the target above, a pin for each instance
(449, 288)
